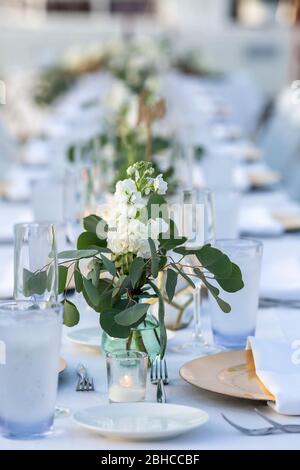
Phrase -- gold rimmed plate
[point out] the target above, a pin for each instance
(228, 373)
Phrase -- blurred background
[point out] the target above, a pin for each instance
(207, 89)
(257, 36)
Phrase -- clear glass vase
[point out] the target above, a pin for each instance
(144, 338)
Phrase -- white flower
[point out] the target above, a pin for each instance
(127, 193)
(160, 185)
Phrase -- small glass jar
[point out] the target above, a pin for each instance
(126, 376)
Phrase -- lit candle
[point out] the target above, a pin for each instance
(126, 391)
(126, 381)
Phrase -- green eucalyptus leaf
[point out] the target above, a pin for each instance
(98, 298)
(77, 254)
(91, 292)
(78, 278)
(185, 251)
(71, 313)
(136, 271)
(88, 240)
(162, 262)
(171, 283)
(233, 283)
(184, 275)
(62, 278)
(113, 329)
(132, 315)
(90, 223)
(215, 261)
(155, 259)
(34, 283)
(224, 306)
(109, 265)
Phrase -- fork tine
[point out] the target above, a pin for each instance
(91, 385)
(166, 377)
(152, 371)
(80, 385)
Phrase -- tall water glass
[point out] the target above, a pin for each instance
(230, 330)
(35, 262)
(30, 339)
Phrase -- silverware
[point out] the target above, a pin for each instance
(253, 432)
(288, 428)
(159, 377)
(159, 370)
(85, 383)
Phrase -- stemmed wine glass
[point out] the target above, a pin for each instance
(36, 268)
(198, 220)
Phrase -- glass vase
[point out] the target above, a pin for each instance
(144, 338)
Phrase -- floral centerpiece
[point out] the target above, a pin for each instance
(126, 247)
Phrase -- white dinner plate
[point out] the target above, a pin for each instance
(140, 421)
(92, 336)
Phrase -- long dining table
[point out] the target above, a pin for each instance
(216, 433)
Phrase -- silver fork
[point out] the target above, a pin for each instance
(85, 383)
(288, 428)
(159, 369)
(253, 432)
(159, 376)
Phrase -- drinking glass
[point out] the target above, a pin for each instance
(30, 335)
(198, 220)
(126, 376)
(231, 330)
(35, 262)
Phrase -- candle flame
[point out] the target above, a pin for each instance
(126, 381)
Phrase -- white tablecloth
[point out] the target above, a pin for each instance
(216, 434)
